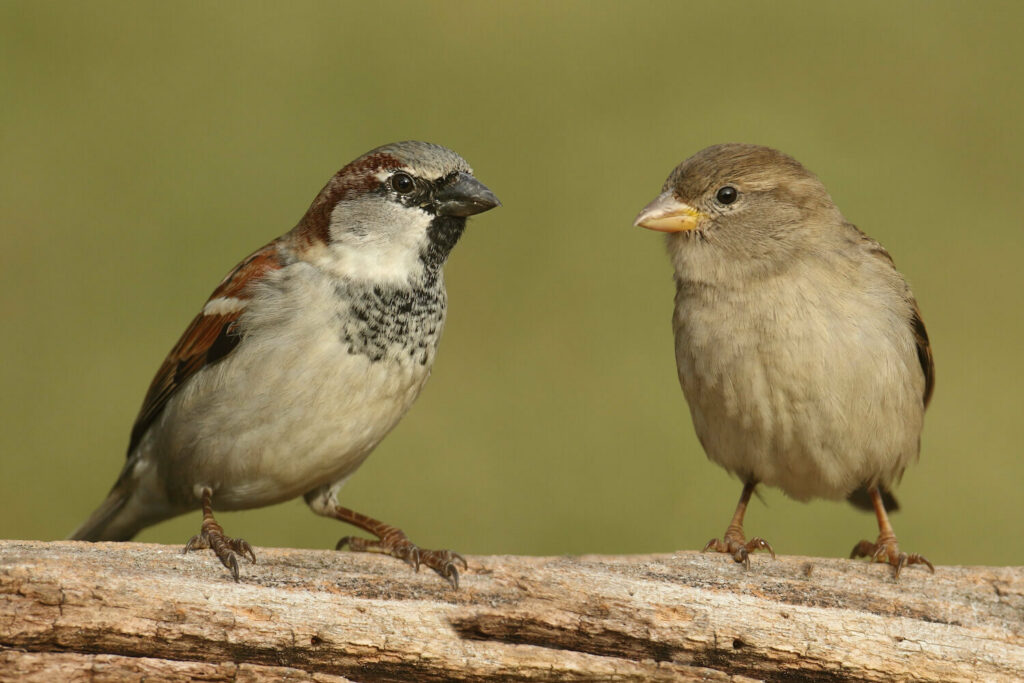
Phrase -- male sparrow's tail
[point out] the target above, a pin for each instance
(128, 509)
(108, 522)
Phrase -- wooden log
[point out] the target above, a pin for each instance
(125, 611)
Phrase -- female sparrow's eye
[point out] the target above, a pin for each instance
(402, 183)
(727, 195)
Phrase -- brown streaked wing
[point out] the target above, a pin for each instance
(924, 352)
(208, 339)
(924, 347)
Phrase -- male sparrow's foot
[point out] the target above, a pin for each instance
(734, 544)
(212, 536)
(886, 549)
(395, 543)
(390, 540)
(225, 547)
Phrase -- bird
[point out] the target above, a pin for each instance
(302, 359)
(800, 348)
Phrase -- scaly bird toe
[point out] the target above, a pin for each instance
(738, 547)
(396, 544)
(886, 549)
(224, 547)
(212, 536)
(445, 562)
(734, 543)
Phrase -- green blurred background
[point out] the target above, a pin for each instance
(146, 147)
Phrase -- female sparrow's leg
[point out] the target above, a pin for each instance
(886, 548)
(734, 542)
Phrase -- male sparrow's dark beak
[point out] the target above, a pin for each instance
(464, 197)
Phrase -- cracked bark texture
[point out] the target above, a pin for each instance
(130, 612)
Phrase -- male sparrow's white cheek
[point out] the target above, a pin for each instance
(378, 241)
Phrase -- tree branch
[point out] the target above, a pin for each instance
(79, 611)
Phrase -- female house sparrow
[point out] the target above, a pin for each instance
(800, 347)
(305, 356)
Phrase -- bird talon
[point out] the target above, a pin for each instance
(452, 574)
(195, 543)
(459, 558)
(416, 558)
(914, 558)
(886, 550)
(242, 547)
(901, 562)
(252, 554)
(231, 562)
(393, 542)
(758, 543)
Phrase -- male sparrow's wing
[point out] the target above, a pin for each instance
(211, 336)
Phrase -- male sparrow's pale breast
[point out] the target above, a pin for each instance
(328, 368)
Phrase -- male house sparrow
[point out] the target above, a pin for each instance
(305, 356)
(800, 347)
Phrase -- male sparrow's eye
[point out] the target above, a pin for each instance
(402, 183)
(727, 195)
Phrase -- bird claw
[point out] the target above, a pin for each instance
(887, 550)
(738, 547)
(397, 545)
(224, 547)
(444, 563)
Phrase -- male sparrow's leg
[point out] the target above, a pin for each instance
(212, 536)
(390, 540)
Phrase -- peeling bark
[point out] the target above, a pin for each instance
(121, 612)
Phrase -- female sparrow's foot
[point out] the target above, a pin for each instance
(886, 549)
(734, 542)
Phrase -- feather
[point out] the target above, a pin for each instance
(210, 337)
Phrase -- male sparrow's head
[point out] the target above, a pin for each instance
(397, 211)
(746, 198)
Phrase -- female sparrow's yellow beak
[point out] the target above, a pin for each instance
(668, 214)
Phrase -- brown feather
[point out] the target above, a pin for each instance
(924, 353)
(208, 339)
(924, 347)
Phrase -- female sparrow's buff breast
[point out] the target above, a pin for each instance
(790, 381)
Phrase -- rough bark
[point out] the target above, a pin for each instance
(113, 612)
